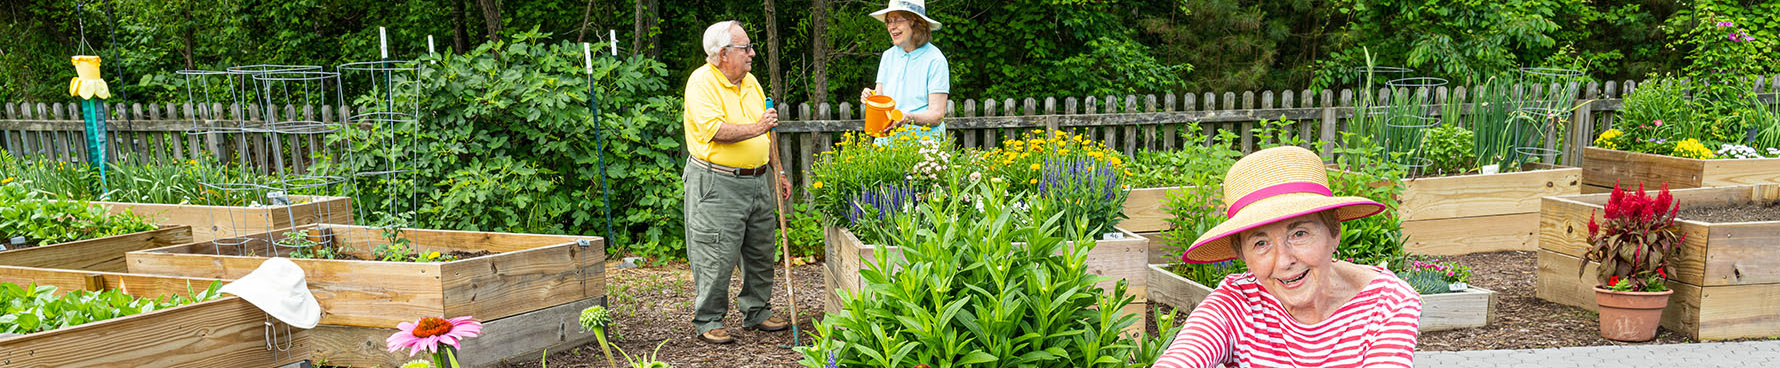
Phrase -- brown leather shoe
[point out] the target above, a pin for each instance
(774, 323)
(716, 336)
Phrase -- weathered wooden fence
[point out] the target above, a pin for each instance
(167, 132)
(1125, 123)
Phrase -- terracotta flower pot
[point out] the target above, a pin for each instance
(1630, 315)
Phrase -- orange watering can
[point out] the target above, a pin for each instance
(880, 110)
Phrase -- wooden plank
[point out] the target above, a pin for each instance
(1474, 307)
(1173, 290)
(1145, 211)
(1729, 172)
(227, 332)
(102, 254)
(1466, 235)
(1742, 253)
(553, 269)
(214, 222)
(353, 293)
(524, 280)
(132, 284)
(1485, 194)
(1605, 167)
(518, 338)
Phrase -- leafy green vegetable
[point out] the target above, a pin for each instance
(36, 308)
(44, 221)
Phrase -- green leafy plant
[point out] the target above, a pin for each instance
(1450, 150)
(1153, 345)
(33, 308)
(964, 294)
(805, 231)
(1635, 240)
(43, 221)
(507, 146)
(140, 181)
(303, 248)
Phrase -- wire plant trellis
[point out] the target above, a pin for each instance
(388, 123)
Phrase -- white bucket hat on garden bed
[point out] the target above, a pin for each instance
(278, 287)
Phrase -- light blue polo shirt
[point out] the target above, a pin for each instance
(909, 77)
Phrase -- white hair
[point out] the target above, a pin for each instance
(717, 36)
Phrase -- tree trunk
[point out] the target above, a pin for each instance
(491, 16)
(777, 76)
(643, 38)
(818, 52)
(190, 43)
(459, 36)
(586, 14)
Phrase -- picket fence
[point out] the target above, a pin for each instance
(166, 131)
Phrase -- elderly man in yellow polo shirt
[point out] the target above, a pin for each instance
(729, 203)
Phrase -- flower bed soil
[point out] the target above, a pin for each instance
(1745, 212)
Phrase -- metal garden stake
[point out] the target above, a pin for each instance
(593, 105)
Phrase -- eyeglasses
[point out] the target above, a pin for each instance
(895, 21)
(748, 47)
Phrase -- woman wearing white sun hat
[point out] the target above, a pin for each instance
(1297, 306)
(912, 71)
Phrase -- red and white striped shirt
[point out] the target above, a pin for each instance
(1241, 325)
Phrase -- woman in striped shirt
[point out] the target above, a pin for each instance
(1296, 307)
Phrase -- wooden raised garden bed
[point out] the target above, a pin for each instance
(211, 222)
(102, 254)
(525, 273)
(518, 338)
(1474, 307)
(1726, 281)
(1602, 167)
(226, 332)
(1146, 211)
(1480, 213)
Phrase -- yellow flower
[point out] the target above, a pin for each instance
(1692, 148)
(1035, 166)
(7, 180)
(191, 162)
(816, 185)
(1063, 151)
(433, 255)
(1033, 181)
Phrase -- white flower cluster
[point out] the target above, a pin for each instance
(933, 163)
(1742, 151)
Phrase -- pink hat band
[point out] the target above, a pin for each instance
(1274, 190)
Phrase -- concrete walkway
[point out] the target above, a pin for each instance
(1713, 354)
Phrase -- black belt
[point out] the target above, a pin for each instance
(758, 171)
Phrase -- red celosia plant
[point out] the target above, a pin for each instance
(1635, 239)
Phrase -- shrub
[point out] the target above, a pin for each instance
(508, 147)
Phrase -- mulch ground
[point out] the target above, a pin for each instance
(653, 305)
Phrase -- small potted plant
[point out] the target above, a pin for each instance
(1634, 243)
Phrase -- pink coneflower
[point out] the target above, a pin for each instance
(429, 332)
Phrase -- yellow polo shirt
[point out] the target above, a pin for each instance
(711, 101)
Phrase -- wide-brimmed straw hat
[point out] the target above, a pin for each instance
(1271, 185)
(919, 7)
(279, 288)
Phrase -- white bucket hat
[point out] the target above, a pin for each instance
(278, 288)
(919, 7)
